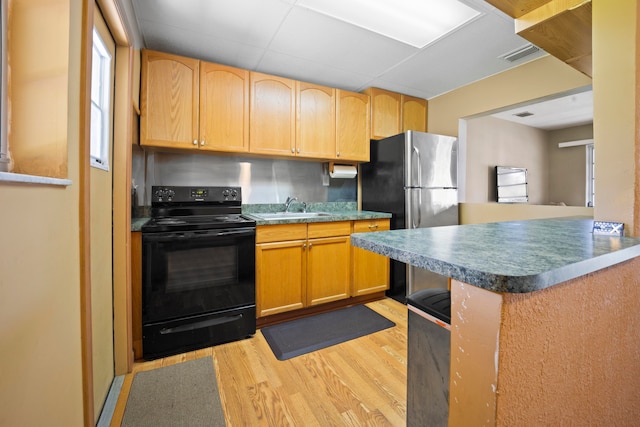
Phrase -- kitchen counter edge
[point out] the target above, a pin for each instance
(508, 257)
(137, 223)
(333, 217)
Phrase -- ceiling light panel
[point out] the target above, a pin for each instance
(414, 22)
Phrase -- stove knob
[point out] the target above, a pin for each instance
(225, 193)
(234, 194)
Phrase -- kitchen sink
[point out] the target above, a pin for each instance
(274, 216)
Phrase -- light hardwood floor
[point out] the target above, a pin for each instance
(357, 383)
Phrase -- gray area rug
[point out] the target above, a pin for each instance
(185, 394)
(297, 337)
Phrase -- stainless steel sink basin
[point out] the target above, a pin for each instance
(274, 216)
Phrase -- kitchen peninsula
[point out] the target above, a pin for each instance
(544, 319)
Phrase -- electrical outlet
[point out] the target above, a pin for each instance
(607, 228)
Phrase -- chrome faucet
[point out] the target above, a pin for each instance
(287, 204)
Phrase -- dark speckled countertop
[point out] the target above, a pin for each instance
(514, 257)
(339, 211)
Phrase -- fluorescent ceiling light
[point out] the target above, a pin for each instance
(414, 22)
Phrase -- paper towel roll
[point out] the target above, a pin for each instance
(343, 171)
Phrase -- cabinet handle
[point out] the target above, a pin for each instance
(195, 142)
(293, 150)
(202, 142)
(310, 245)
(298, 150)
(373, 226)
(338, 154)
(304, 246)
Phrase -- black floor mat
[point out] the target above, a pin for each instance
(297, 337)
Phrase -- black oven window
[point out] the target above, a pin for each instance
(198, 268)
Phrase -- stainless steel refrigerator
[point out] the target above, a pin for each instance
(414, 176)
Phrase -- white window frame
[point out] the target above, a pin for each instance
(101, 75)
(590, 184)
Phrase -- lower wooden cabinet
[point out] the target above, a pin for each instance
(304, 265)
(370, 270)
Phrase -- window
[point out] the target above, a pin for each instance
(590, 175)
(100, 104)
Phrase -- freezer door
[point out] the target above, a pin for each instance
(431, 161)
(431, 207)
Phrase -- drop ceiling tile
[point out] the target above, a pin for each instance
(252, 22)
(462, 57)
(314, 72)
(316, 37)
(195, 45)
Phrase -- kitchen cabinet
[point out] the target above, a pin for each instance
(169, 101)
(301, 265)
(352, 126)
(386, 108)
(393, 113)
(272, 127)
(224, 108)
(370, 270)
(192, 104)
(281, 268)
(328, 262)
(315, 121)
(414, 113)
(563, 28)
(188, 104)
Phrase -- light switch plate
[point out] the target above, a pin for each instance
(607, 228)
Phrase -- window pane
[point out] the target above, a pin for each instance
(96, 76)
(96, 131)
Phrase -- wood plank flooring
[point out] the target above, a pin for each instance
(360, 382)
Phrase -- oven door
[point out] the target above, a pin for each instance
(196, 272)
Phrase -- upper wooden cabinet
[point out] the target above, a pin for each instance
(386, 107)
(169, 101)
(273, 115)
(517, 8)
(315, 121)
(224, 108)
(393, 113)
(191, 104)
(196, 105)
(352, 126)
(414, 113)
(560, 27)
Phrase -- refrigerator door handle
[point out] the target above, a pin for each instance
(419, 167)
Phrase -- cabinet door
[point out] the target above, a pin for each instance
(352, 126)
(315, 121)
(280, 277)
(224, 108)
(414, 114)
(370, 270)
(385, 113)
(328, 269)
(272, 110)
(169, 101)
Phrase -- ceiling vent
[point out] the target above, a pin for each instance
(524, 114)
(519, 53)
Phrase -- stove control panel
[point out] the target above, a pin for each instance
(163, 194)
(217, 195)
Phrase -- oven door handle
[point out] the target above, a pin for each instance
(248, 232)
(172, 236)
(200, 325)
